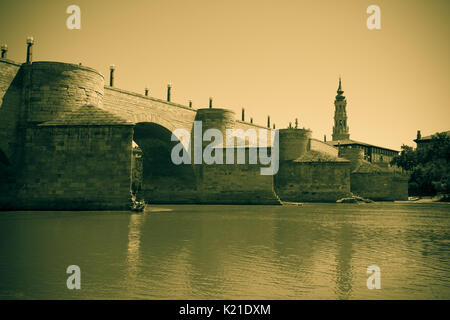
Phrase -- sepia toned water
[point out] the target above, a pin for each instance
(318, 251)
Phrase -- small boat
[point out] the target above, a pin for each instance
(138, 206)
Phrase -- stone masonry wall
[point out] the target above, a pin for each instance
(294, 143)
(56, 88)
(313, 181)
(11, 79)
(139, 108)
(380, 186)
(354, 155)
(246, 126)
(234, 183)
(76, 168)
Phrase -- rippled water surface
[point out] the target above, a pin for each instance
(318, 251)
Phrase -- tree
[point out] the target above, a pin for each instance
(407, 158)
(429, 166)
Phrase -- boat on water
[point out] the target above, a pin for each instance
(138, 206)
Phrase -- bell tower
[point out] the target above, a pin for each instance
(340, 128)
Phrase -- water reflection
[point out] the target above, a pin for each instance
(344, 270)
(133, 250)
(319, 251)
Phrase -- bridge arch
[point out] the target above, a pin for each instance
(162, 181)
(154, 119)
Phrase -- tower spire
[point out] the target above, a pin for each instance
(340, 129)
(340, 91)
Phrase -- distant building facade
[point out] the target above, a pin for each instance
(424, 142)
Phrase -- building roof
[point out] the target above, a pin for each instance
(86, 115)
(352, 142)
(431, 136)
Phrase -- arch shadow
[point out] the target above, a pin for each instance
(161, 180)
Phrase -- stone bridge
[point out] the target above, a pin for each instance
(67, 141)
(44, 102)
(155, 120)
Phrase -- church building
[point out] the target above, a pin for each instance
(341, 135)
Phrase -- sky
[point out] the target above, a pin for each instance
(281, 58)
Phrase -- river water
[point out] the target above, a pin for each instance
(318, 251)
